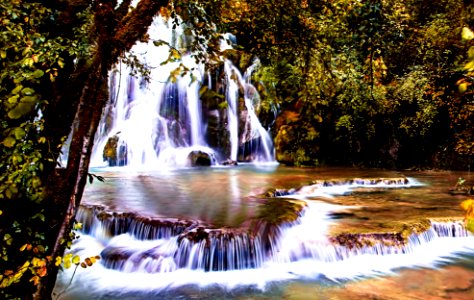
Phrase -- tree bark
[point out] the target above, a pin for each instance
(117, 33)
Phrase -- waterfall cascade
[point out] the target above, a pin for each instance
(154, 245)
(169, 120)
(205, 118)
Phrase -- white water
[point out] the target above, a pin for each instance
(322, 189)
(135, 275)
(253, 129)
(159, 123)
(302, 250)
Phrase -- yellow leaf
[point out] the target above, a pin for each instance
(469, 66)
(5, 283)
(470, 53)
(58, 261)
(9, 142)
(78, 226)
(25, 266)
(22, 248)
(35, 261)
(467, 34)
(67, 264)
(468, 206)
(35, 280)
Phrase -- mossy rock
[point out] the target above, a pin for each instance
(113, 153)
(278, 211)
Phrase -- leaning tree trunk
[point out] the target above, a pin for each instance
(118, 30)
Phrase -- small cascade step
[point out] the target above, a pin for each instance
(173, 244)
(139, 244)
(320, 187)
(96, 220)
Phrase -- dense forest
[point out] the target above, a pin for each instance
(375, 83)
(378, 83)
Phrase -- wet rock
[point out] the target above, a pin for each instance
(113, 153)
(199, 159)
(229, 162)
(360, 240)
(279, 211)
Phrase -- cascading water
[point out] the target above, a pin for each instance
(255, 136)
(160, 122)
(161, 253)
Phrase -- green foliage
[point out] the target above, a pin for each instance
(375, 79)
(32, 55)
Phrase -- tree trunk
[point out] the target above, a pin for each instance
(117, 33)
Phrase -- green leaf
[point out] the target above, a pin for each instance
(76, 259)
(470, 225)
(61, 63)
(19, 133)
(25, 106)
(38, 73)
(17, 89)
(159, 43)
(7, 238)
(28, 91)
(13, 99)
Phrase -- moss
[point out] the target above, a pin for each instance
(278, 211)
(113, 153)
(388, 234)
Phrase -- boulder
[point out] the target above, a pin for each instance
(199, 159)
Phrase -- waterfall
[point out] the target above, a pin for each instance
(255, 137)
(160, 121)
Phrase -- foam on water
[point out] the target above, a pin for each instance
(302, 251)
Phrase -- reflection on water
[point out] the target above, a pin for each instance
(225, 196)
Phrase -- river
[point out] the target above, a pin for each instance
(300, 262)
